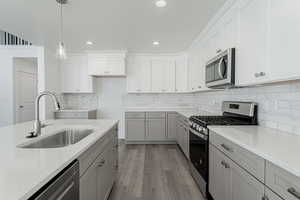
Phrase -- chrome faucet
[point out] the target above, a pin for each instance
(37, 124)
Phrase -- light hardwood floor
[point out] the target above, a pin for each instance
(153, 172)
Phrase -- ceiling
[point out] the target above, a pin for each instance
(111, 24)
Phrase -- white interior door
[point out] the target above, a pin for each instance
(25, 93)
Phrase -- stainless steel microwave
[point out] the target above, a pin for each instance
(220, 71)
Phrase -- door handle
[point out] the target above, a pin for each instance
(63, 194)
(219, 68)
(227, 148)
(21, 106)
(265, 198)
(294, 192)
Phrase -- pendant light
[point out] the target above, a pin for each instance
(61, 49)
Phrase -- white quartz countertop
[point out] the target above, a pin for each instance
(24, 171)
(277, 147)
(75, 110)
(185, 111)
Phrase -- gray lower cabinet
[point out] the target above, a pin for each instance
(135, 129)
(228, 181)
(171, 126)
(182, 135)
(156, 129)
(97, 180)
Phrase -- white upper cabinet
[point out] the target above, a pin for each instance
(74, 75)
(181, 74)
(103, 64)
(138, 75)
(196, 68)
(251, 53)
(284, 39)
(163, 75)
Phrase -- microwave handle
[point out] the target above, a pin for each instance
(219, 68)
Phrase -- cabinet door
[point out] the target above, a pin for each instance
(70, 69)
(228, 181)
(135, 129)
(229, 29)
(252, 42)
(88, 183)
(172, 121)
(156, 129)
(105, 173)
(138, 75)
(163, 75)
(186, 142)
(86, 81)
(74, 75)
(181, 74)
(243, 185)
(106, 65)
(219, 179)
(284, 39)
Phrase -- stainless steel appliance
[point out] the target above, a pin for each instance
(64, 186)
(234, 113)
(220, 71)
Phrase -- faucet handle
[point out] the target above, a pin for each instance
(31, 135)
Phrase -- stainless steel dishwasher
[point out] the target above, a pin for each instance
(64, 186)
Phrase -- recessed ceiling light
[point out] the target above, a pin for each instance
(161, 3)
(89, 42)
(156, 43)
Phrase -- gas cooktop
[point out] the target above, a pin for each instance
(219, 120)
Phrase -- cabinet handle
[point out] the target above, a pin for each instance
(101, 163)
(294, 192)
(226, 165)
(199, 87)
(259, 74)
(265, 198)
(227, 148)
(106, 72)
(63, 194)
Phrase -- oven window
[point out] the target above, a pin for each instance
(199, 154)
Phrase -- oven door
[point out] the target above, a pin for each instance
(199, 152)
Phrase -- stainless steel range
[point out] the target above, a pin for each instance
(234, 113)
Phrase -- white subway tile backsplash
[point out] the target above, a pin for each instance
(279, 105)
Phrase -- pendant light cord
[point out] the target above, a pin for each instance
(61, 23)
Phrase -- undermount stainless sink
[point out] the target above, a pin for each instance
(60, 139)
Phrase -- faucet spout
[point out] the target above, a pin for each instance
(37, 123)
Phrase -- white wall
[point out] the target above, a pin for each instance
(47, 78)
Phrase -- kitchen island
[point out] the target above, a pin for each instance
(24, 171)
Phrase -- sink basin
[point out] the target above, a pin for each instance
(60, 139)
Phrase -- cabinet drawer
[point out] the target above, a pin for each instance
(282, 182)
(134, 115)
(155, 115)
(88, 157)
(249, 161)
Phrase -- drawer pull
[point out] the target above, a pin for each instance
(101, 163)
(265, 198)
(227, 148)
(226, 165)
(294, 192)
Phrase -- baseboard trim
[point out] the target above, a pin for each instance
(150, 142)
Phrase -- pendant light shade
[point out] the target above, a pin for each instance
(61, 49)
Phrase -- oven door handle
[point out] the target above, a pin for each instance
(204, 137)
